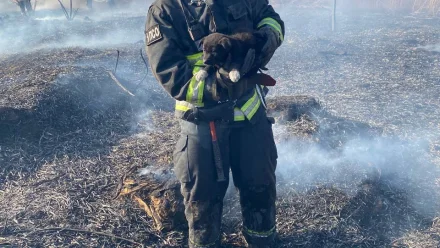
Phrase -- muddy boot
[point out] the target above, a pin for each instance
(264, 243)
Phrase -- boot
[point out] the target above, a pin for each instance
(28, 6)
(21, 4)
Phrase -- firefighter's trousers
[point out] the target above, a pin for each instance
(25, 5)
(249, 151)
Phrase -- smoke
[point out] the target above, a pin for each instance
(406, 165)
(353, 82)
(357, 159)
(48, 29)
(142, 123)
(9, 5)
(431, 48)
(55, 32)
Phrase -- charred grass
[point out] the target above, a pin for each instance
(70, 137)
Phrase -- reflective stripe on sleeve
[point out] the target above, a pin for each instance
(251, 106)
(194, 57)
(194, 95)
(183, 106)
(274, 24)
(238, 115)
(248, 110)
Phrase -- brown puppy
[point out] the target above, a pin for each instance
(217, 48)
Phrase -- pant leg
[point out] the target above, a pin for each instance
(253, 163)
(90, 4)
(111, 3)
(203, 195)
(28, 6)
(21, 4)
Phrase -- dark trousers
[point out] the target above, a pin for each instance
(249, 151)
(25, 5)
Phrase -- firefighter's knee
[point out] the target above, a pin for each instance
(258, 196)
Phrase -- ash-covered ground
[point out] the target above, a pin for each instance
(358, 128)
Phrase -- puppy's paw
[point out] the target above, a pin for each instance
(201, 75)
(234, 75)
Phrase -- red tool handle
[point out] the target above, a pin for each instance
(217, 154)
(213, 132)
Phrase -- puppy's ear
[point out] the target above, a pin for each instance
(225, 43)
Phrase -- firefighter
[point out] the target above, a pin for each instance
(222, 134)
(25, 7)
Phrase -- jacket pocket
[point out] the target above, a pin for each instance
(181, 161)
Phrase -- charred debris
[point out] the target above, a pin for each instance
(87, 135)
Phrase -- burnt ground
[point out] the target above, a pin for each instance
(358, 151)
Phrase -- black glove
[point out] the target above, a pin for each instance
(223, 80)
(272, 42)
(223, 73)
(248, 63)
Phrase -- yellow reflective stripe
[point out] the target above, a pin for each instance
(200, 95)
(181, 107)
(248, 110)
(195, 90)
(254, 110)
(198, 63)
(184, 106)
(194, 93)
(273, 23)
(251, 106)
(190, 91)
(260, 234)
(238, 115)
(194, 57)
(249, 102)
(239, 118)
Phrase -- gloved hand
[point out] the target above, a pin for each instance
(224, 73)
(223, 80)
(272, 42)
(249, 62)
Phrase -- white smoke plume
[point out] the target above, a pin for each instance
(406, 165)
(431, 47)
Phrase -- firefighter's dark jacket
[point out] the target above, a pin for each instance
(169, 44)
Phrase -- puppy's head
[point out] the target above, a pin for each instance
(216, 48)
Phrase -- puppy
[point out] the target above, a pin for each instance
(217, 48)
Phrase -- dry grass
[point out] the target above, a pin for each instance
(428, 6)
(431, 7)
(69, 136)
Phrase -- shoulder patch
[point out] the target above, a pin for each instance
(153, 34)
